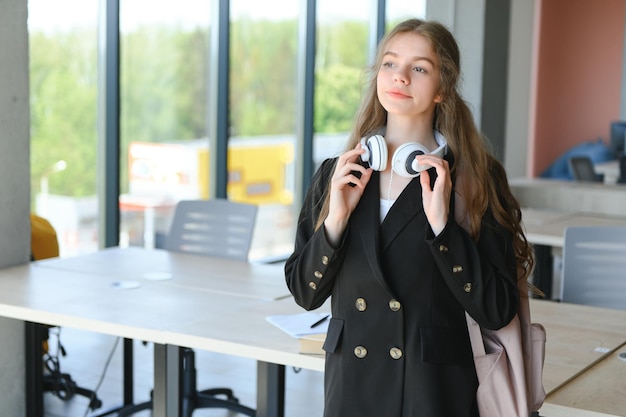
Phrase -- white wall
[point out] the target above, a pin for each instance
(622, 113)
(466, 20)
(14, 189)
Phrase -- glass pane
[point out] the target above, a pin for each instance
(399, 10)
(263, 74)
(63, 97)
(164, 61)
(341, 58)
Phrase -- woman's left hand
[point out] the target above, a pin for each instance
(436, 200)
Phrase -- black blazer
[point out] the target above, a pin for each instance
(397, 343)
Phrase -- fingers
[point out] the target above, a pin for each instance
(351, 156)
(427, 161)
(436, 200)
(349, 169)
(425, 181)
(441, 167)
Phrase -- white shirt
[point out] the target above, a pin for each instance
(385, 206)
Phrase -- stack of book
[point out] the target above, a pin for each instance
(312, 343)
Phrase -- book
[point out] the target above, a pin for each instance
(309, 328)
(301, 324)
(312, 344)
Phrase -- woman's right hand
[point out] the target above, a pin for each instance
(346, 190)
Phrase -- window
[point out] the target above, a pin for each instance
(164, 92)
(399, 10)
(63, 97)
(163, 77)
(341, 58)
(263, 77)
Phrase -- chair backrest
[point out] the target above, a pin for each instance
(582, 169)
(594, 266)
(218, 227)
(44, 242)
(622, 170)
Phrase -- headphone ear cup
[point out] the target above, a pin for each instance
(403, 161)
(375, 152)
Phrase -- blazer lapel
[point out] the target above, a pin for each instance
(366, 221)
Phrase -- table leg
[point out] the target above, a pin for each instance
(270, 395)
(128, 371)
(34, 336)
(166, 396)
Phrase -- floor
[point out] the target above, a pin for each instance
(87, 354)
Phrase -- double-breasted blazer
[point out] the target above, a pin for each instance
(397, 343)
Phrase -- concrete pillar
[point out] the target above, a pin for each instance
(14, 189)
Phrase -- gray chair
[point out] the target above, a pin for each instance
(582, 169)
(219, 228)
(622, 170)
(594, 266)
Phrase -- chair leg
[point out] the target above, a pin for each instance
(210, 398)
(193, 399)
(211, 401)
(94, 401)
(129, 410)
(63, 386)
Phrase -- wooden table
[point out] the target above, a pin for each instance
(197, 309)
(547, 226)
(179, 270)
(578, 337)
(92, 292)
(554, 410)
(601, 388)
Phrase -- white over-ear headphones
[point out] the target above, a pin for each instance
(403, 161)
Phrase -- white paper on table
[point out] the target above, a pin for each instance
(297, 325)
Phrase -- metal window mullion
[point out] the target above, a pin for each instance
(305, 93)
(108, 183)
(218, 97)
(377, 26)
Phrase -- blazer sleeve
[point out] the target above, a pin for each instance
(482, 275)
(311, 269)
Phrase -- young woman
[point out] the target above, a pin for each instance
(404, 252)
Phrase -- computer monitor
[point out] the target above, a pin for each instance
(618, 138)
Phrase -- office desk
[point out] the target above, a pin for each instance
(554, 410)
(248, 334)
(179, 270)
(57, 297)
(174, 272)
(80, 293)
(547, 226)
(602, 388)
(586, 197)
(578, 337)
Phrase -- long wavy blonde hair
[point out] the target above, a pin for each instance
(478, 177)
